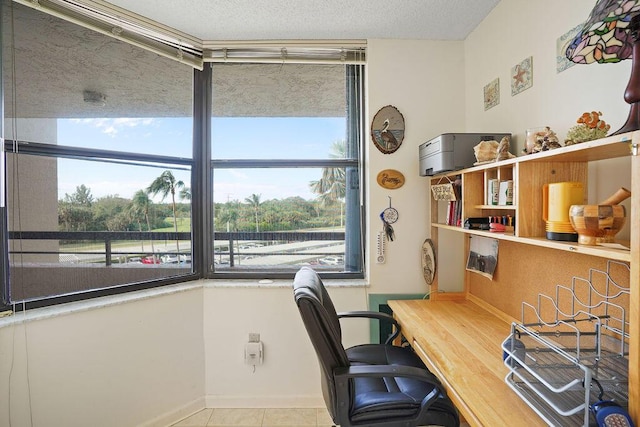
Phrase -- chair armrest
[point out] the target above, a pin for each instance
(379, 371)
(342, 376)
(374, 315)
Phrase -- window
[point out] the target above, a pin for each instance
(123, 168)
(96, 143)
(286, 169)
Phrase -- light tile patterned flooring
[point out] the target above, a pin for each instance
(301, 417)
(271, 417)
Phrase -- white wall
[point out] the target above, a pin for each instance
(289, 376)
(129, 364)
(424, 80)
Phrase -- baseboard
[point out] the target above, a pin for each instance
(171, 417)
(219, 401)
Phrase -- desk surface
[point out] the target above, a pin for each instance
(461, 343)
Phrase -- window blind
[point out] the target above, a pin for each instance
(287, 51)
(143, 32)
(124, 25)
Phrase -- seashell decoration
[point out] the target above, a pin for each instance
(486, 151)
(545, 140)
(489, 151)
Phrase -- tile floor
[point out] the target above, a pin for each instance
(300, 417)
(271, 417)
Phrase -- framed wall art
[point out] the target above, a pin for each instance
(522, 76)
(387, 129)
(492, 94)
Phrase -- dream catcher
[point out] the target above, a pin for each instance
(388, 217)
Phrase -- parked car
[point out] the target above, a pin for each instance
(332, 260)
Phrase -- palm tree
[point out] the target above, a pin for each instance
(254, 202)
(330, 188)
(164, 185)
(229, 214)
(185, 193)
(140, 206)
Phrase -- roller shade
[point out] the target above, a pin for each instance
(145, 33)
(124, 25)
(287, 51)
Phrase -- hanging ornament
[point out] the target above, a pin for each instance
(388, 217)
(390, 214)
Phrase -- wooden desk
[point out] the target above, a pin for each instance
(460, 342)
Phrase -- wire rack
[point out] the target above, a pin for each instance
(572, 349)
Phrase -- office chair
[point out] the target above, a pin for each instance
(370, 384)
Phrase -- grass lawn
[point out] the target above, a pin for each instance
(184, 225)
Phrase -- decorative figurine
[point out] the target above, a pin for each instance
(544, 140)
(503, 149)
(590, 126)
(491, 151)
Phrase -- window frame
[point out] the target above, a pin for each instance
(202, 166)
(278, 163)
(354, 80)
(81, 153)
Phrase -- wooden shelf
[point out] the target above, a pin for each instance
(600, 149)
(599, 251)
(495, 207)
(518, 278)
(530, 173)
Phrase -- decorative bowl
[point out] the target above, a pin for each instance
(597, 223)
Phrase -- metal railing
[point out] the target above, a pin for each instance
(226, 244)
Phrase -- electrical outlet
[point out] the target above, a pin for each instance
(254, 337)
(253, 353)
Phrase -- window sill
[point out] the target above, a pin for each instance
(92, 304)
(281, 283)
(95, 303)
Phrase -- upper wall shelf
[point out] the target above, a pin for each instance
(529, 174)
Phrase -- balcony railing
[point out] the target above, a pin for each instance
(108, 247)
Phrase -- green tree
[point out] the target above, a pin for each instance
(185, 193)
(331, 187)
(72, 217)
(229, 214)
(109, 213)
(164, 185)
(75, 210)
(254, 202)
(140, 206)
(82, 196)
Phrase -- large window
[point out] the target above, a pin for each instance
(124, 169)
(98, 142)
(286, 169)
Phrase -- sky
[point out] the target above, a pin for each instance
(234, 138)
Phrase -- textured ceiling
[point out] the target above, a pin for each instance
(316, 19)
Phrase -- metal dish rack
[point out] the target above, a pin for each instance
(572, 350)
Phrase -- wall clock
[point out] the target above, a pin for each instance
(387, 129)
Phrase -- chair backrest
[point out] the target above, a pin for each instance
(323, 326)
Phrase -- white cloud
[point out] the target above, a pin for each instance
(112, 126)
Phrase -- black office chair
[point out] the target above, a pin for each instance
(370, 384)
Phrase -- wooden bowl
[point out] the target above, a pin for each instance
(596, 223)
